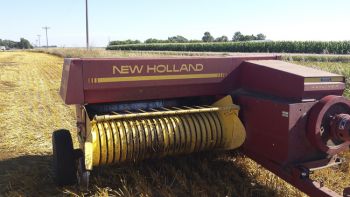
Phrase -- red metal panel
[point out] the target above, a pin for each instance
(320, 90)
(276, 130)
(288, 80)
(111, 69)
(154, 87)
(147, 93)
(72, 89)
(300, 149)
(130, 79)
(266, 127)
(265, 80)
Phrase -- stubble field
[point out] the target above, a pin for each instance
(30, 109)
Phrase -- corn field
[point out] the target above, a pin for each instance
(319, 47)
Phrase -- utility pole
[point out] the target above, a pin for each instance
(87, 24)
(47, 39)
(39, 39)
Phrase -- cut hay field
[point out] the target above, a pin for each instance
(30, 109)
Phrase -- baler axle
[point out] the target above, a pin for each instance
(340, 127)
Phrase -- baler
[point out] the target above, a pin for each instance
(290, 119)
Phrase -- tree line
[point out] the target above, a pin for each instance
(22, 44)
(207, 37)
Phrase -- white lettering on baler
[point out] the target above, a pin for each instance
(157, 68)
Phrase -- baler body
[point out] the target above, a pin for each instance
(272, 105)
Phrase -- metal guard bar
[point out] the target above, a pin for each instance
(173, 111)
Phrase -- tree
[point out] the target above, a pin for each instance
(24, 44)
(207, 37)
(121, 42)
(151, 40)
(238, 36)
(178, 38)
(248, 38)
(260, 36)
(221, 39)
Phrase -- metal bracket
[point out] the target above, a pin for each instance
(83, 175)
(322, 164)
(304, 170)
(298, 175)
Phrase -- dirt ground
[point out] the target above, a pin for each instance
(30, 109)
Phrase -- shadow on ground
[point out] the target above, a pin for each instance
(205, 174)
(27, 176)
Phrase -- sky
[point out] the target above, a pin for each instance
(143, 19)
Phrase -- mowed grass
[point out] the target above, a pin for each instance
(30, 109)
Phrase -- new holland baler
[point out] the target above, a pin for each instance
(290, 119)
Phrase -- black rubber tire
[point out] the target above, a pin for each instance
(64, 164)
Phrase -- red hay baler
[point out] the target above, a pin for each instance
(290, 119)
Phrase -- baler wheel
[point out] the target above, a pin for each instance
(64, 164)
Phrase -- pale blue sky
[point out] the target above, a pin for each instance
(136, 19)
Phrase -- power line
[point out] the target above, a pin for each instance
(87, 24)
(47, 39)
(39, 39)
